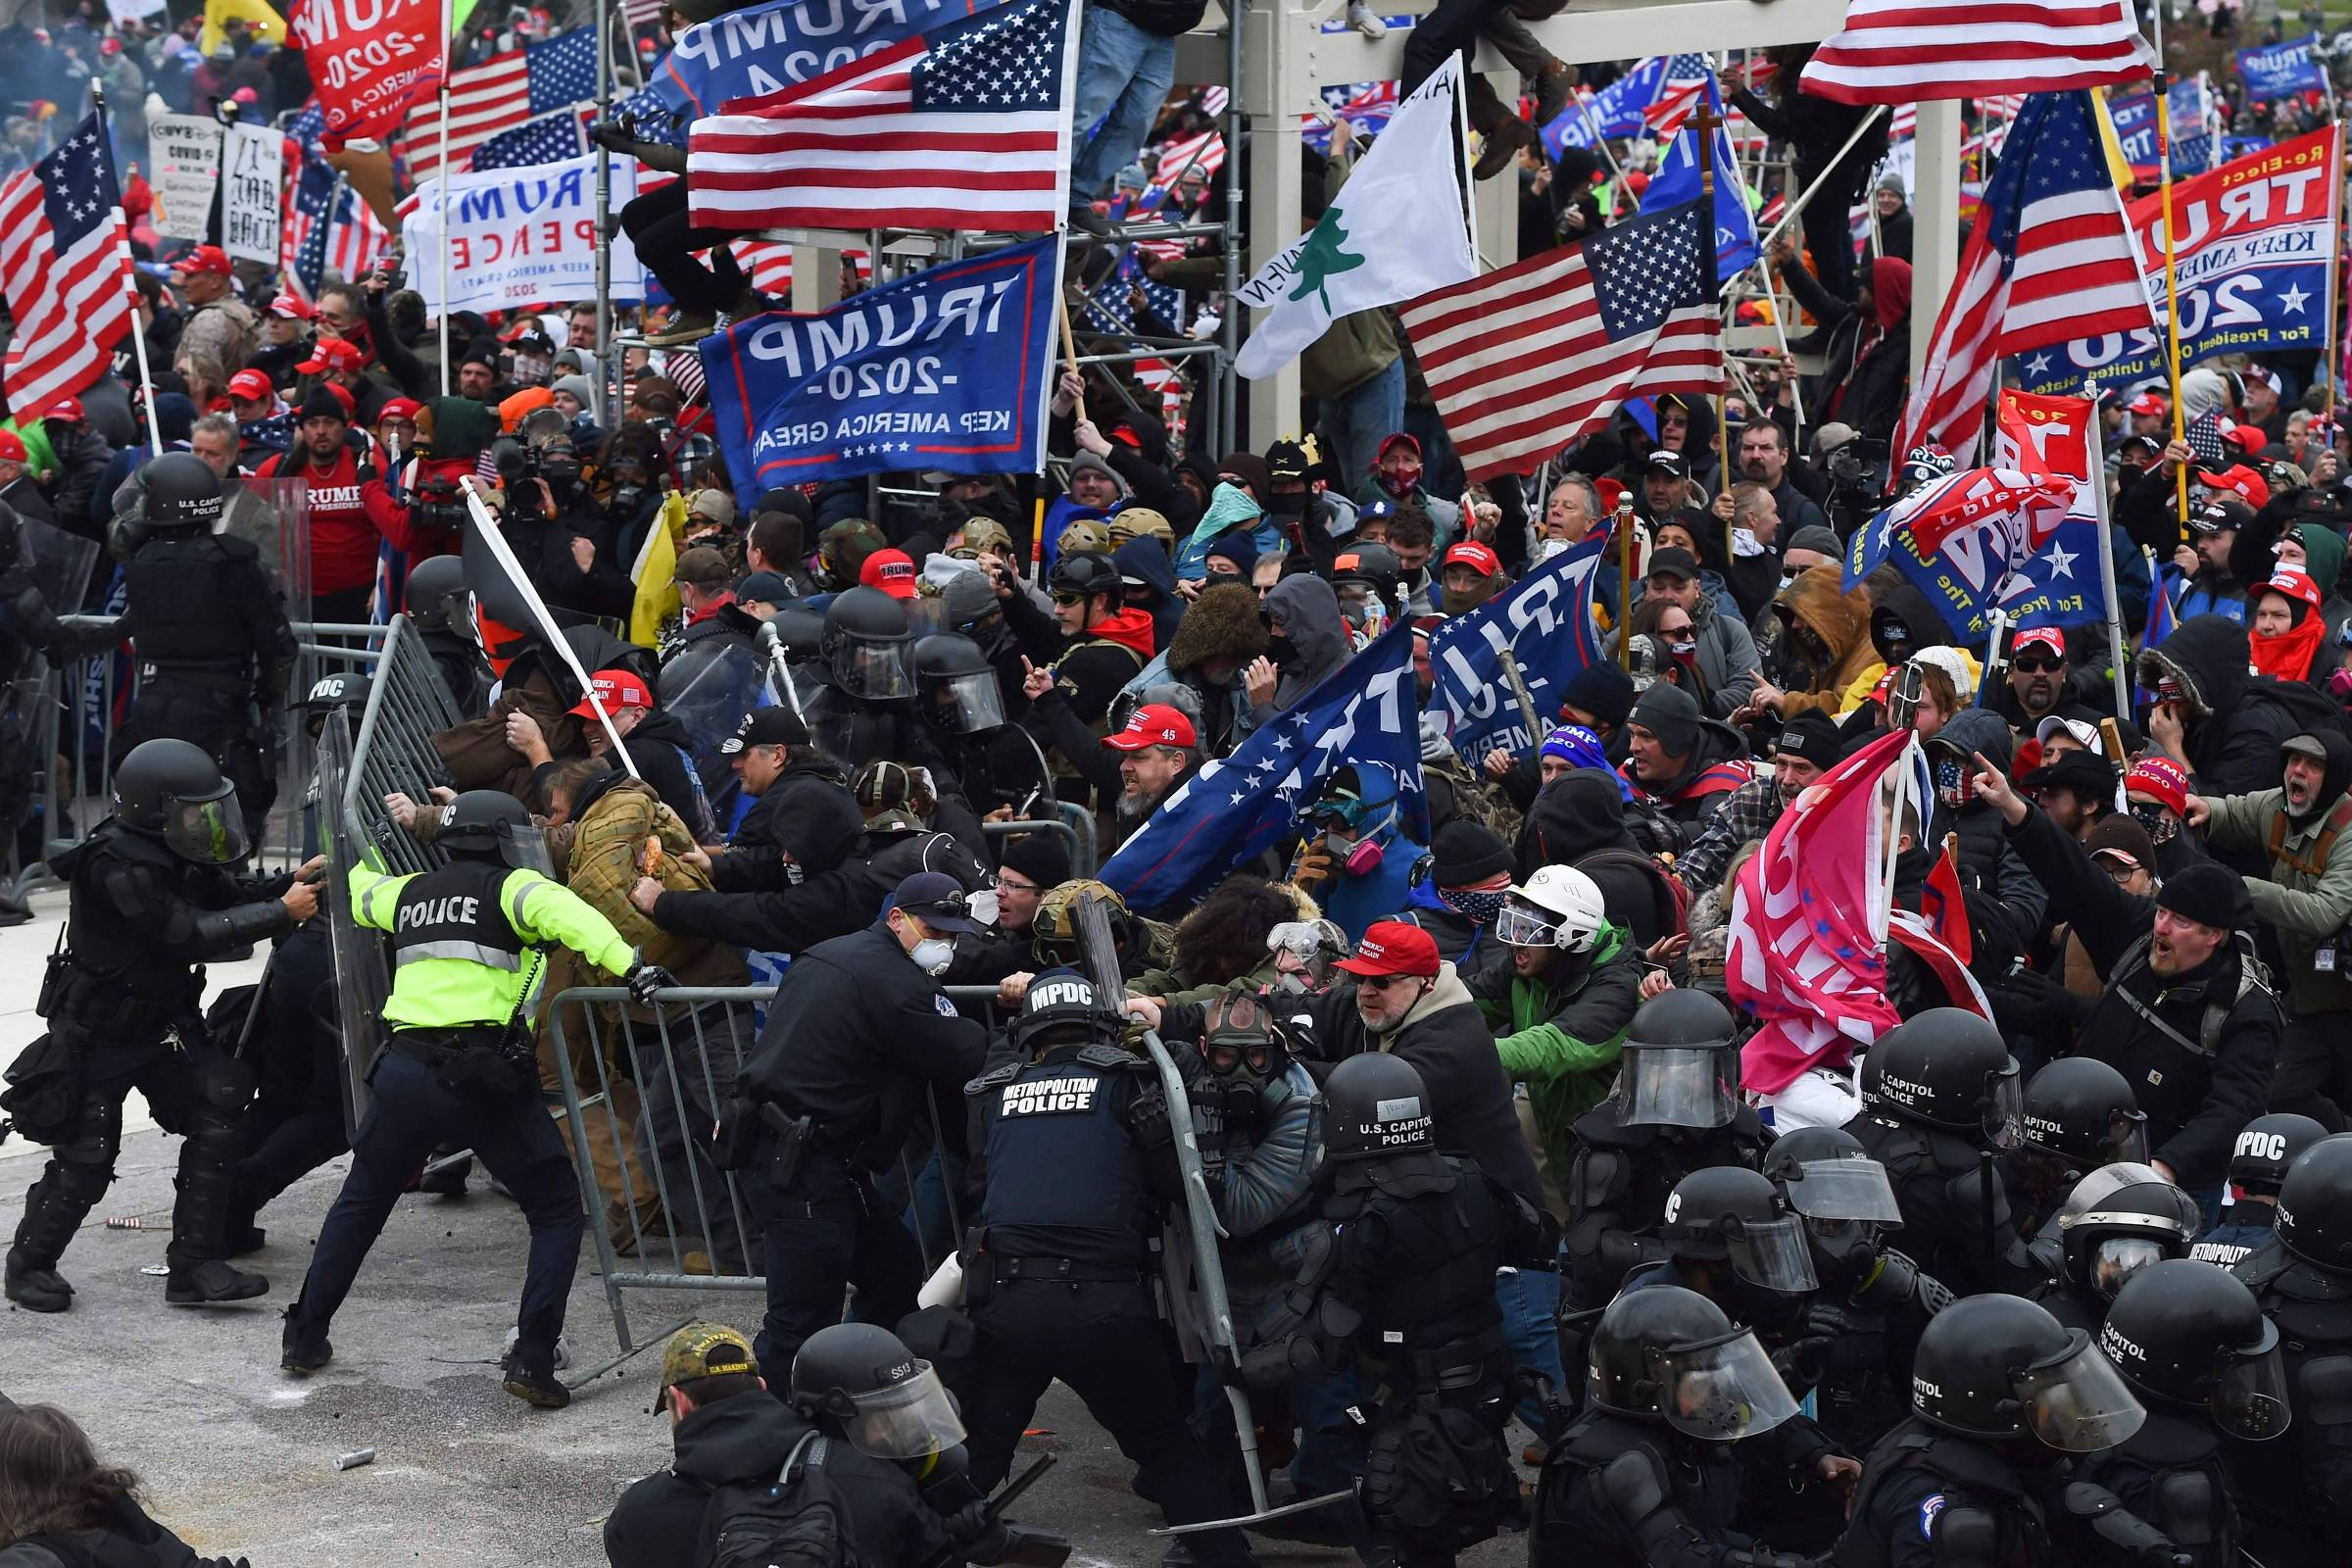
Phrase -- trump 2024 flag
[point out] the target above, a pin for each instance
(1396, 230)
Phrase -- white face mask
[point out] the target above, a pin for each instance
(933, 954)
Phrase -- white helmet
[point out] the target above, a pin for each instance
(1559, 906)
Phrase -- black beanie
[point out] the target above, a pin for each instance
(1042, 857)
(2208, 894)
(1672, 714)
(324, 405)
(1604, 690)
(1464, 852)
(1812, 735)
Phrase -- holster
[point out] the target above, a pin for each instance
(57, 969)
(979, 1269)
(794, 1135)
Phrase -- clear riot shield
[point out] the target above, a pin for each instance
(35, 702)
(274, 515)
(362, 977)
(709, 686)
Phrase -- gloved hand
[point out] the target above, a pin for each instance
(646, 979)
(613, 137)
(978, 1537)
(1316, 866)
(2045, 999)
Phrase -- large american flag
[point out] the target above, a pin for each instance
(1902, 51)
(2048, 260)
(549, 139)
(1679, 89)
(500, 95)
(311, 241)
(1524, 360)
(966, 126)
(65, 268)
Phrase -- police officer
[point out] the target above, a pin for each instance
(2298, 1501)
(1404, 1282)
(153, 900)
(2257, 1166)
(2197, 1351)
(1675, 1109)
(465, 939)
(1730, 1236)
(441, 610)
(1651, 1475)
(1999, 1390)
(857, 1031)
(1070, 1146)
(2118, 1221)
(1940, 1103)
(2079, 1115)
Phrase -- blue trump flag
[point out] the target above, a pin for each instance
(945, 370)
(1677, 182)
(1545, 620)
(1362, 715)
(2281, 70)
(1966, 541)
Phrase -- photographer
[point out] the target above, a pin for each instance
(561, 535)
(422, 509)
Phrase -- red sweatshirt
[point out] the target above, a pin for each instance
(343, 539)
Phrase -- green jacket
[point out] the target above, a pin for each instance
(1564, 1040)
(448, 993)
(2308, 909)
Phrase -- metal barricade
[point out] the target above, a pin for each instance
(1082, 845)
(407, 704)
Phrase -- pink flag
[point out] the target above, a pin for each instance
(1809, 918)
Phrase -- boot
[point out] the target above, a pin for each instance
(1553, 90)
(691, 327)
(245, 1239)
(52, 1214)
(210, 1281)
(450, 1180)
(36, 1289)
(530, 1375)
(201, 1273)
(305, 1350)
(1500, 145)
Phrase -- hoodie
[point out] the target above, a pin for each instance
(2235, 723)
(1824, 641)
(1230, 509)
(1893, 604)
(1986, 855)
(2308, 906)
(1144, 558)
(1129, 629)
(1307, 610)
(1577, 816)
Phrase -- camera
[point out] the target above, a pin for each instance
(438, 502)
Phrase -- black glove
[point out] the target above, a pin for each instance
(646, 979)
(978, 1537)
(2036, 1000)
(611, 136)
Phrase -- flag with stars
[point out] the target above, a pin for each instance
(64, 268)
(2059, 584)
(1677, 182)
(965, 126)
(1961, 539)
(550, 139)
(1365, 715)
(500, 95)
(2049, 259)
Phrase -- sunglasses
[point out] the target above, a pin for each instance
(1065, 599)
(2038, 666)
(1385, 982)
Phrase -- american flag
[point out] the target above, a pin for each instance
(1902, 51)
(1203, 155)
(309, 242)
(2204, 438)
(549, 139)
(2047, 260)
(1679, 89)
(65, 268)
(1524, 360)
(966, 126)
(500, 95)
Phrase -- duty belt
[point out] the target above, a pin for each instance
(1064, 1270)
(231, 677)
(435, 1046)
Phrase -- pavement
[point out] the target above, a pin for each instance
(240, 1458)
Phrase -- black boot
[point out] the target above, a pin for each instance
(530, 1375)
(35, 1289)
(449, 1181)
(53, 1212)
(305, 1347)
(201, 1273)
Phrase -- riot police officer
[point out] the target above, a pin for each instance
(963, 704)
(1675, 1109)
(1650, 1476)
(2079, 1115)
(1999, 1390)
(1071, 1144)
(440, 610)
(154, 899)
(2118, 1221)
(1940, 1103)
(865, 709)
(459, 1064)
(2298, 1502)
(2197, 1351)
(1404, 1283)
(1730, 1236)
(2258, 1163)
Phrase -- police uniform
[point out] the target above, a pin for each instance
(1934, 1500)
(2173, 1475)
(464, 957)
(1940, 1182)
(2296, 1490)
(2244, 1229)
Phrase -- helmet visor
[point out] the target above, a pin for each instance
(1844, 1188)
(2119, 1257)
(1521, 924)
(1678, 1086)
(1773, 1255)
(1722, 1390)
(966, 705)
(208, 832)
(873, 669)
(2005, 1109)
(2126, 1139)
(910, 1420)
(2079, 1404)
(2249, 1399)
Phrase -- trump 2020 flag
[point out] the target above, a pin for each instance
(1396, 229)
(1546, 622)
(943, 370)
(1963, 538)
(2059, 585)
(1362, 715)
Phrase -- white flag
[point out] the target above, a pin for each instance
(1396, 230)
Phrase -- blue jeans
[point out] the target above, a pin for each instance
(1352, 425)
(1123, 78)
(1530, 1300)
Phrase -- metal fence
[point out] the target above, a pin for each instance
(393, 751)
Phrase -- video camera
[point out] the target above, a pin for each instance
(1857, 475)
(438, 502)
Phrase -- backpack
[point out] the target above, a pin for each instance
(798, 1520)
(1670, 901)
(1473, 801)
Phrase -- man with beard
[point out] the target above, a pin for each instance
(343, 541)
(2038, 684)
(2306, 897)
(1764, 461)
(1471, 575)
(1156, 750)
(1684, 763)
(1807, 748)
(1819, 647)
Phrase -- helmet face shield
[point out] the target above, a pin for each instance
(875, 670)
(1719, 1391)
(2249, 1396)
(1678, 1086)
(2078, 1403)
(1773, 1255)
(1521, 924)
(910, 1420)
(2119, 1257)
(1844, 1188)
(208, 832)
(965, 704)
(2005, 1109)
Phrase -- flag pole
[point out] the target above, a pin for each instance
(1704, 119)
(1625, 579)
(1069, 350)
(449, 61)
(130, 285)
(2172, 276)
(603, 203)
(2094, 468)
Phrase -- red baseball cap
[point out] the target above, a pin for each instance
(1397, 438)
(618, 689)
(399, 409)
(292, 309)
(65, 409)
(250, 384)
(1470, 553)
(2293, 583)
(1391, 946)
(203, 259)
(333, 354)
(2049, 639)
(2149, 403)
(891, 570)
(2247, 437)
(12, 448)
(2242, 482)
(2162, 780)
(1154, 725)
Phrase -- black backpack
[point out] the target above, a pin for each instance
(798, 1520)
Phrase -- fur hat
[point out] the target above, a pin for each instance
(1222, 624)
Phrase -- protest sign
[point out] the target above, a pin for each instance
(252, 193)
(185, 153)
(519, 236)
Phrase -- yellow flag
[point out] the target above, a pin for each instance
(267, 25)
(2119, 167)
(656, 595)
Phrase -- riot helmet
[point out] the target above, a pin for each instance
(2119, 1220)
(1729, 1213)
(800, 630)
(436, 594)
(1060, 1009)
(1086, 575)
(1557, 906)
(1666, 1353)
(2079, 1111)
(346, 689)
(1374, 1105)
(2267, 1146)
(1053, 929)
(2191, 1336)
(183, 494)
(1841, 1194)
(2315, 1205)
(174, 791)
(866, 644)
(883, 1397)
(1679, 1067)
(957, 687)
(1369, 571)
(1999, 1366)
(1945, 1067)
(485, 825)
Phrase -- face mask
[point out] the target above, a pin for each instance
(1788, 580)
(933, 954)
(1281, 652)
(1476, 906)
(1403, 481)
(1685, 649)
(2162, 826)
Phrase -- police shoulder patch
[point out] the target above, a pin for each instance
(947, 1008)
(1928, 1508)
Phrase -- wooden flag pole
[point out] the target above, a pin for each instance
(1704, 119)
(1069, 350)
(1625, 580)
(2172, 287)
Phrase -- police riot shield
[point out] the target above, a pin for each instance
(274, 515)
(362, 977)
(709, 686)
